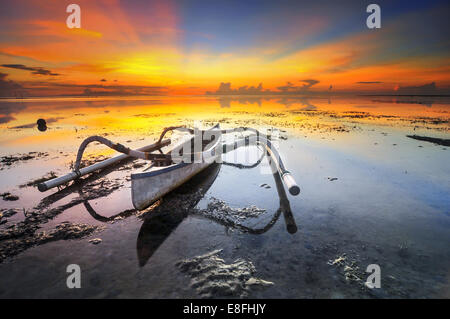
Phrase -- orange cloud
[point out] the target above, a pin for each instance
(142, 48)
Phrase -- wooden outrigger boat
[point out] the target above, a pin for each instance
(150, 185)
(169, 170)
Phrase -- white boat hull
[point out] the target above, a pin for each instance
(147, 187)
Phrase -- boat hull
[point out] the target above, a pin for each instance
(156, 228)
(147, 187)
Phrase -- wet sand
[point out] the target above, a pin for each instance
(370, 195)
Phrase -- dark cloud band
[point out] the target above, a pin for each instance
(34, 70)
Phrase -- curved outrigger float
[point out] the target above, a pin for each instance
(169, 170)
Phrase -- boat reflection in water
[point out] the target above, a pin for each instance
(162, 220)
(158, 227)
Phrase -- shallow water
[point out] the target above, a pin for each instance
(369, 193)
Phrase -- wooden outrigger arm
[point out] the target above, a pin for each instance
(97, 166)
(274, 155)
(145, 153)
(258, 138)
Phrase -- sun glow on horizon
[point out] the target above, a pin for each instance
(135, 47)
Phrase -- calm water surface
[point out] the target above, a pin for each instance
(369, 194)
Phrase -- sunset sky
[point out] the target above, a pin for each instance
(191, 47)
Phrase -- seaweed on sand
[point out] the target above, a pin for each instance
(64, 231)
(212, 277)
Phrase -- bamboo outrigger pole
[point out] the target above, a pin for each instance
(100, 165)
